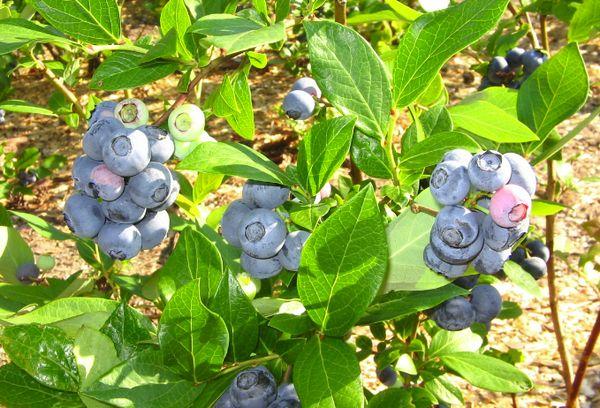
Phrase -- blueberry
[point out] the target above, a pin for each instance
(126, 152)
(253, 388)
(132, 113)
(450, 183)
(488, 171)
(264, 195)
(457, 226)
(120, 241)
(387, 376)
(515, 84)
(487, 302)
(535, 266)
(83, 216)
(27, 178)
(499, 238)
(173, 194)
(262, 233)
(97, 136)
(105, 184)
(161, 143)
(510, 206)
(455, 314)
(27, 273)
(460, 155)
(455, 256)
(443, 268)
(532, 59)
(82, 174)
(498, 70)
(186, 123)
(298, 105)
(490, 262)
(104, 110)
(230, 222)
(466, 282)
(286, 397)
(485, 83)
(539, 249)
(225, 401)
(153, 228)
(183, 149)
(123, 209)
(522, 174)
(151, 187)
(289, 256)
(307, 85)
(260, 268)
(514, 57)
(518, 255)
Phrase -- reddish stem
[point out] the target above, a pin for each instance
(583, 363)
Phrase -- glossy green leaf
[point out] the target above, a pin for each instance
(174, 16)
(433, 38)
(350, 74)
(95, 355)
(369, 155)
(542, 208)
(343, 264)
(291, 324)
(192, 337)
(445, 390)
(14, 252)
(43, 227)
(327, 375)
(322, 151)
(431, 150)
(17, 32)
(127, 328)
(166, 47)
(522, 279)
(585, 23)
(446, 342)
(435, 120)
(213, 389)
(62, 309)
(403, 10)
(307, 216)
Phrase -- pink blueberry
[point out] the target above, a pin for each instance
(107, 184)
(510, 205)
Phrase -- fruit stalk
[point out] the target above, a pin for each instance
(525, 20)
(544, 30)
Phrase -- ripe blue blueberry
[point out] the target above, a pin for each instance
(518, 255)
(153, 228)
(83, 216)
(487, 302)
(173, 193)
(132, 113)
(499, 238)
(532, 59)
(97, 135)
(126, 152)
(27, 273)
(105, 184)
(514, 57)
(27, 178)
(446, 269)
(455, 256)
(498, 70)
(460, 155)
(260, 268)
(489, 170)
(290, 254)
(298, 105)
(457, 226)
(307, 85)
(225, 401)
(466, 282)
(286, 397)
(161, 143)
(123, 209)
(152, 186)
(387, 376)
(104, 110)
(490, 262)
(120, 241)
(262, 233)
(539, 249)
(253, 388)
(230, 222)
(522, 174)
(82, 174)
(186, 123)
(455, 314)
(535, 266)
(449, 183)
(264, 195)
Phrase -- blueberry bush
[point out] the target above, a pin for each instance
(376, 233)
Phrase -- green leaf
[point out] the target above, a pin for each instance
(194, 257)
(585, 23)
(43, 227)
(14, 252)
(19, 106)
(403, 10)
(489, 121)
(174, 16)
(26, 392)
(322, 151)
(370, 156)
(206, 184)
(213, 390)
(127, 328)
(444, 390)
(166, 47)
(350, 74)
(446, 342)
(123, 70)
(291, 324)
(95, 22)
(307, 215)
(435, 37)
(435, 120)
(327, 375)
(62, 309)
(431, 150)
(555, 91)
(392, 397)
(236, 310)
(542, 208)
(17, 32)
(233, 159)
(487, 372)
(343, 264)
(235, 33)
(44, 352)
(522, 279)
(95, 355)
(191, 336)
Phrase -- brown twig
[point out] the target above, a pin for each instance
(417, 208)
(525, 19)
(513, 397)
(288, 374)
(583, 363)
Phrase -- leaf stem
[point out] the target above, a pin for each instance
(544, 31)
(583, 363)
(525, 19)
(244, 364)
(418, 208)
(95, 49)
(389, 145)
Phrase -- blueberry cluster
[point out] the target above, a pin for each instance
(256, 388)
(532, 258)
(300, 102)
(186, 125)
(252, 225)
(461, 236)
(123, 187)
(482, 306)
(512, 69)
